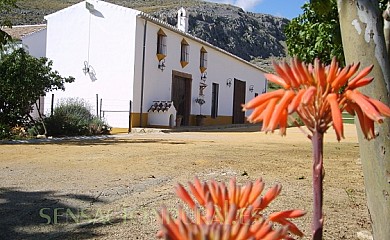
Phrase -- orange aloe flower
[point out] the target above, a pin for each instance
(232, 212)
(318, 94)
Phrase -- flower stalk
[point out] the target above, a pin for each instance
(318, 170)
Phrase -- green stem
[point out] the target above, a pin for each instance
(317, 222)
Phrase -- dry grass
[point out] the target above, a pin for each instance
(132, 175)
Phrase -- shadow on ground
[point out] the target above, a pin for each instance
(218, 128)
(87, 142)
(43, 215)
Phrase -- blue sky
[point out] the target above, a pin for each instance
(282, 8)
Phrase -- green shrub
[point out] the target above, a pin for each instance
(97, 127)
(73, 117)
(5, 131)
(35, 128)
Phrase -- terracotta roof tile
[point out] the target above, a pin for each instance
(160, 106)
(18, 32)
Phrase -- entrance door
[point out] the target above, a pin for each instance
(181, 95)
(238, 100)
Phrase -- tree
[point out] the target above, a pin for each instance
(23, 79)
(361, 24)
(315, 34)
(5, 6)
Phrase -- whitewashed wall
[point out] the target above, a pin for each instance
(221, 66)
(106, 39)
(35, 44)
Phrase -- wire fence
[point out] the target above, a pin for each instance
(116, 112)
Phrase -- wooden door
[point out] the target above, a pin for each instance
(238, 100)
(181, 97)
(214, 100)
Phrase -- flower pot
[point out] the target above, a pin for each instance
(200, 120)
(178, 120)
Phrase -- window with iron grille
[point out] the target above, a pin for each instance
(203, 60)
(161, 45)
(185, 53)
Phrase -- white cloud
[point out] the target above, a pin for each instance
(279, 14)
(247, 5)
(222, 1)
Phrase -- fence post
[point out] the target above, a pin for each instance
(97, 105)
(130, 117)
(101, 104)
(52, 105)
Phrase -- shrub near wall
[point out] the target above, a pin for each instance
(73, 117)
(5, 131)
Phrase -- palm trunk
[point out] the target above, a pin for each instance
(317, 222)
(363, 41)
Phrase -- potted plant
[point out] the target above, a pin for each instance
(200, 118)
(179, 118)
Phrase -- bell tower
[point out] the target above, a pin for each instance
(182, 20)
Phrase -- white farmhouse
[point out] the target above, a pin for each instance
(124, 61)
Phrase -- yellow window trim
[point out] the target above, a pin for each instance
(202, 68)
(183, 63)
(161, 32)
(160, 56)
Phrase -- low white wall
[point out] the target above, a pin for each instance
(162, 118)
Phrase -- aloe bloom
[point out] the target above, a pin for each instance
(228, 213)
(318, 94)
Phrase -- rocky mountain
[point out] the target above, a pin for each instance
(248, 35)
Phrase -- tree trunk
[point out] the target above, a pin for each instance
(361, 26)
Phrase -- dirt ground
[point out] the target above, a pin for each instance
(110, 188)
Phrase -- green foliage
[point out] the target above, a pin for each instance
(315, 35)
(272, 87)
(97, 127)
(5, 6)
(323, 7)
(35, 129)
(73, 117)
(5, 131)
(4, 38)
(23, 79)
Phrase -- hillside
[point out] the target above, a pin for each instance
(248, 35)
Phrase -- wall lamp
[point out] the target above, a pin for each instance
(86, 68)
(89, 6)
(161, 64)
(229, 82)
(251, 88)
(203, 77)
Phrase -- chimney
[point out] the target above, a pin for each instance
(182, 20)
